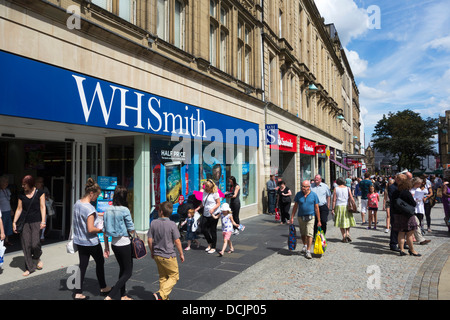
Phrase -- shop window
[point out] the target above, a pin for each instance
(218, 37)
(306, 167)
(244, 58)
(243, 167)
(125, 9)
(171, 22)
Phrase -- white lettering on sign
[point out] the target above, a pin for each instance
(285, 143)
(193, 125)
(308, 148)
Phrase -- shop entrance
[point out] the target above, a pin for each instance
(63, 166)
(286, 171)
(50, 161)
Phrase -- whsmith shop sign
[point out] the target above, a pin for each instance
(32, 89)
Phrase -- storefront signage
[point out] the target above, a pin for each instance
(271, 134)
(36, 90)
(286, 142)
(332, 153)
(307, 147)
(320, 148)
(173, 155)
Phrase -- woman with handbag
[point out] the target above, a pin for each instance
(210, 205)
(405, 224)
(29, 220)
(118, 223)
(85, 229)
(284, 201)
(343, 217)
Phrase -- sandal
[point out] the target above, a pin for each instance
(40, 265)
(26, 273)
(231, 251)
(126, 298)
(80, 297)
(105, 290)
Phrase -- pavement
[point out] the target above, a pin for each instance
(261, 268)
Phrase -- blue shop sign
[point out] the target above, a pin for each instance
(32, 89)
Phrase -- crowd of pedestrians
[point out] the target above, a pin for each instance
(312, 205)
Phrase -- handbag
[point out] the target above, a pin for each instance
(351, 205)
(138, 249)
(404, 207)
(21, 221)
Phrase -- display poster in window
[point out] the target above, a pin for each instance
(170, 176)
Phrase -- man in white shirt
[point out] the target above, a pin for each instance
(323, 192)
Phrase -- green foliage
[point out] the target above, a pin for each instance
(406, 136)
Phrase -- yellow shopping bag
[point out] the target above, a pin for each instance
(318, 248)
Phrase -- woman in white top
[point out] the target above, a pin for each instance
(210, 205)
(420, 196)
(343, 218)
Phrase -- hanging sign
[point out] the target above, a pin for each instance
(320, 149)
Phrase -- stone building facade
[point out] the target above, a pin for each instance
(151, 70)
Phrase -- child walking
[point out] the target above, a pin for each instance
(227, 227)
(163, 237)
(373, 199)
(190, 235)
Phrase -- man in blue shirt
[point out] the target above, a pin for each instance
(307, 208)
(323, 192)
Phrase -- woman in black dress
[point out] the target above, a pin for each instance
(235, 204)
(404, 224)
(284, 202)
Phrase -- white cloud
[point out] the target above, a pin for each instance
(358, 65)
(350, 21)
(439, 44)
(369, 93)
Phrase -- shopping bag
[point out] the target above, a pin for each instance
(277, 215)
(2, 253)
(292, 238)
(318, 248)
(323, 239)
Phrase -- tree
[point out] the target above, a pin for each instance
(405, 136)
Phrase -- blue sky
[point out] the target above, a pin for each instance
(400, 57)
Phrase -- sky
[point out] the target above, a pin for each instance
(399, 53)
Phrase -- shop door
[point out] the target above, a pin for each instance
(86, 159)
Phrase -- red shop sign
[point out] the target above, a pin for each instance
(320, 148)
(307, 147)
(286, 142)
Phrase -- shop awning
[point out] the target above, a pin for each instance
(340, 164)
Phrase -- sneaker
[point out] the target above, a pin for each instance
(211, 251)
(386, 231)
(308, 255)
(303, 250)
